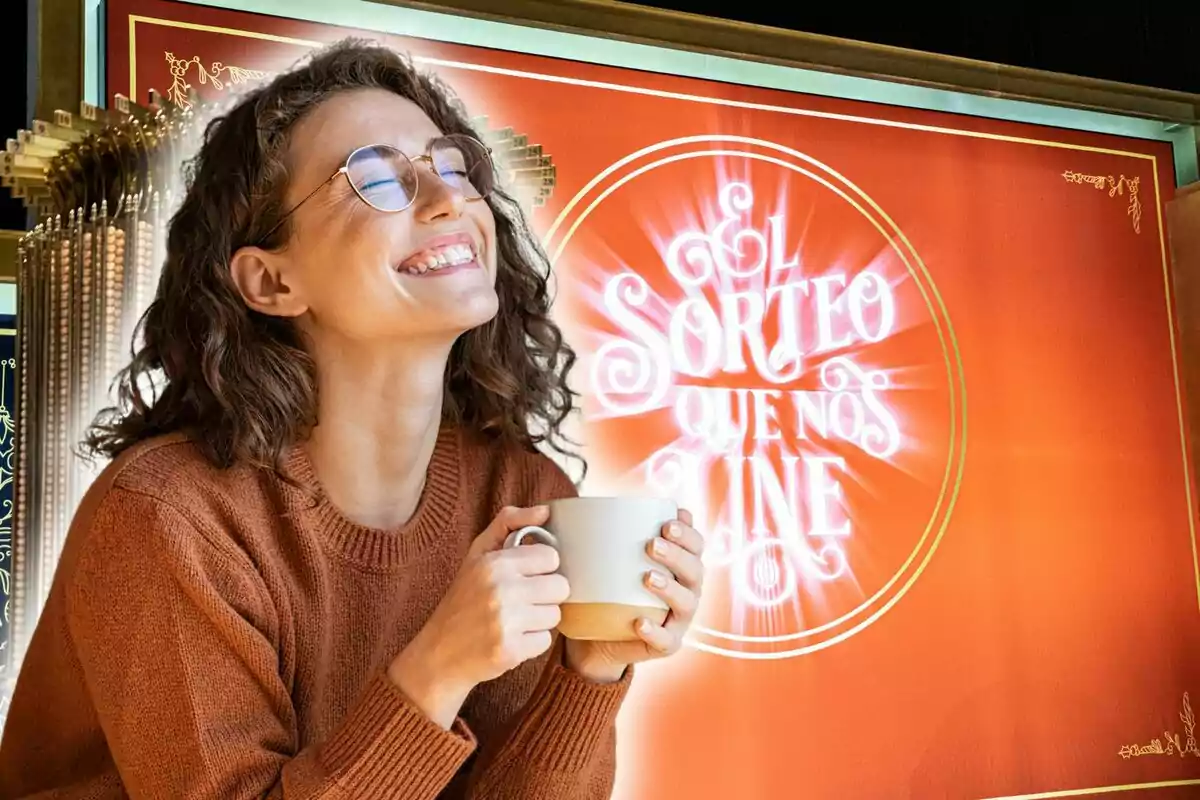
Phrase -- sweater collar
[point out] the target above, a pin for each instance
(376, 547)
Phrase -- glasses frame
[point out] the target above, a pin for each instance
(344, 169)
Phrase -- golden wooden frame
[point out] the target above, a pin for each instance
(8, 255)
(630, 22)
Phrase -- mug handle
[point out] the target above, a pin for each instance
(517, 538)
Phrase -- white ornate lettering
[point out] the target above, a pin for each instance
(755, 362)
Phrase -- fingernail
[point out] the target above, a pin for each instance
(659, 547)
(643, 625)
(672, 531)
(657, 579)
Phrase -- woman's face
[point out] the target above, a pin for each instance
(351, 272)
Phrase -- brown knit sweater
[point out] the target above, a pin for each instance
(224, 634)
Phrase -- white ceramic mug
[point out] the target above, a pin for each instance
(601, 544)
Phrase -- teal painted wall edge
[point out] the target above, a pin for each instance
(578, 47)
(93, 51)
(8, 298)
(1183, 142)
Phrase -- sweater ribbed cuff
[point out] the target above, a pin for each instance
(387, 748)
(568, 719)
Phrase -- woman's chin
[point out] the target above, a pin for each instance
(470, 311)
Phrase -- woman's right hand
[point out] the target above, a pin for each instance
(498, 613)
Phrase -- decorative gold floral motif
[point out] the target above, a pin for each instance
(8, 428)
(233, 76)
(8, 440)
(1171, 744)
(1115, 186)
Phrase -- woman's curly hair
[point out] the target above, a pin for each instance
(241, 383)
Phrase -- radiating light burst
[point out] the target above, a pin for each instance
(753, 360)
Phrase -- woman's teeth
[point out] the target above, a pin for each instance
(438, 258)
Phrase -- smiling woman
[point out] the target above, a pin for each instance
(352, 369)
(317, 257)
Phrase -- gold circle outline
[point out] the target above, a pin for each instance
(942, 335)
(732, 637)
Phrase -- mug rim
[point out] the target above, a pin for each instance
(640, 498)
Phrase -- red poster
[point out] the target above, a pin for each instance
(915, 372)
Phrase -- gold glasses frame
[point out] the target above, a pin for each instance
(426, 158)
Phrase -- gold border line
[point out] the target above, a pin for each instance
(133, 20)
(799, 112)
(1128, 787)
(617, 87)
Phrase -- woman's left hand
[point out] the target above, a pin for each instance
(678, 550)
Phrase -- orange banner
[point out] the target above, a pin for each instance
(916, 374)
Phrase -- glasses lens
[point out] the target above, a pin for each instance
(465, 164)
(383, 176)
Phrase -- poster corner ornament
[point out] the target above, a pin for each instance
(764, 369)
(1117, 187)
(1171, 743)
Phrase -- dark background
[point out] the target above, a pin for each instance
(14, 92)
(1150, 47)
(1145, 46)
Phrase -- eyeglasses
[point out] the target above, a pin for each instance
(386, 179)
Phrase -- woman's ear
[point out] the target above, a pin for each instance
(264, 280)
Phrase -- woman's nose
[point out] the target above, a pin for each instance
(436, 198)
